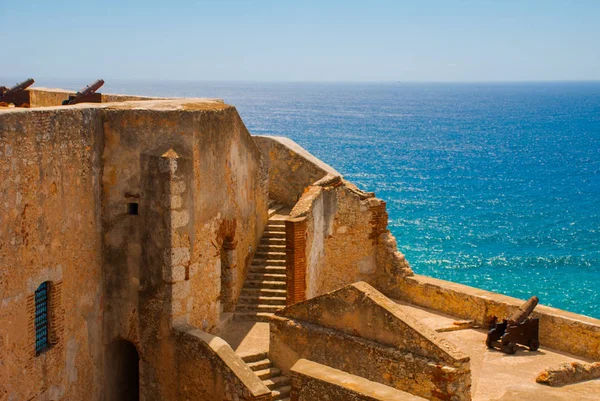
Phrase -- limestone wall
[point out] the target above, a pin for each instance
(127, 208)
(291, 168)
(358, 330)
(346, 239)
(314, 381)
(50, 231)
(215, 372)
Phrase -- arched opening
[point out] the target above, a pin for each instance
(122, 372)
(227, 265)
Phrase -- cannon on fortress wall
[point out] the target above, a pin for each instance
(518, 329)
(87, 94)
(16, 95)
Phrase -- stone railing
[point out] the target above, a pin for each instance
(210, 370)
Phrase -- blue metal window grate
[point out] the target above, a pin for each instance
(41, 318)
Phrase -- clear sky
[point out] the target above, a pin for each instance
(281, 40)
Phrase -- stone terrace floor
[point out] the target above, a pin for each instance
(496, 376)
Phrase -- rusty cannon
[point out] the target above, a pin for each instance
(87, 94)
(517, 329)
(16, 95)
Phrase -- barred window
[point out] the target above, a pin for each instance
(41, 318)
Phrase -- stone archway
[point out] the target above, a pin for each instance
(122, 372)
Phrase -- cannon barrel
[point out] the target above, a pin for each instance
(91, 88)
(5, 92)
(524, 311)
(85, 94)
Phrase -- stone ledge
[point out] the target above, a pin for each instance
(311, 378)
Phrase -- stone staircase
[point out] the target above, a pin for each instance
(270, 375)
(264, 290)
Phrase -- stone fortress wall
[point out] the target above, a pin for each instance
(144, 215)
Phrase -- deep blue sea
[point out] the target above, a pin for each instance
(491, 185)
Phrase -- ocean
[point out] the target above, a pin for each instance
(493, 185)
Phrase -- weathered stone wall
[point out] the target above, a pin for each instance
(347, 239)
(127, 209)
(291, 168)
(561, 330)
(312, 381)
(50, 231)
(358, 330)
(208, 369)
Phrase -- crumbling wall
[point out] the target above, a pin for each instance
(50, 230)
(346, 239)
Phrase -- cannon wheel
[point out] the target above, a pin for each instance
(534, 345)
(509, 348)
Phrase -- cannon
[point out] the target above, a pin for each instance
(517, 329)
(16, 94)
(87, 94)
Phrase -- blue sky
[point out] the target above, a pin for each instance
(268, 40)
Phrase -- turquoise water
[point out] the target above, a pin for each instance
(491, 185)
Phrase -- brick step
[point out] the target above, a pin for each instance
(281, 285)
(277, 382)
(268, 373)
(268, 292)
(268, 261)
(260, 364)
(266, 276)
(281, 392)
(267, 269)
(263, 300)
(254, 316)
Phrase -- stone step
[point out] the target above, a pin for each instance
(276, 223)
(263, 300)
(267, 269)
(260, 364)
(268, 261)
(277, 382)
(271, 248)
(253, 316)
(268, 373)
(266, 276)
(276, 233)
(265, 284)
(281, 392)
(259, 308)
(272, 241)
(253, 358)
(281, 399)
(268, 292)
(269, 254)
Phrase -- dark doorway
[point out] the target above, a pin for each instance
(123, 372)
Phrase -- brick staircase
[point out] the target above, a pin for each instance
(264, 290)
(270, 375)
